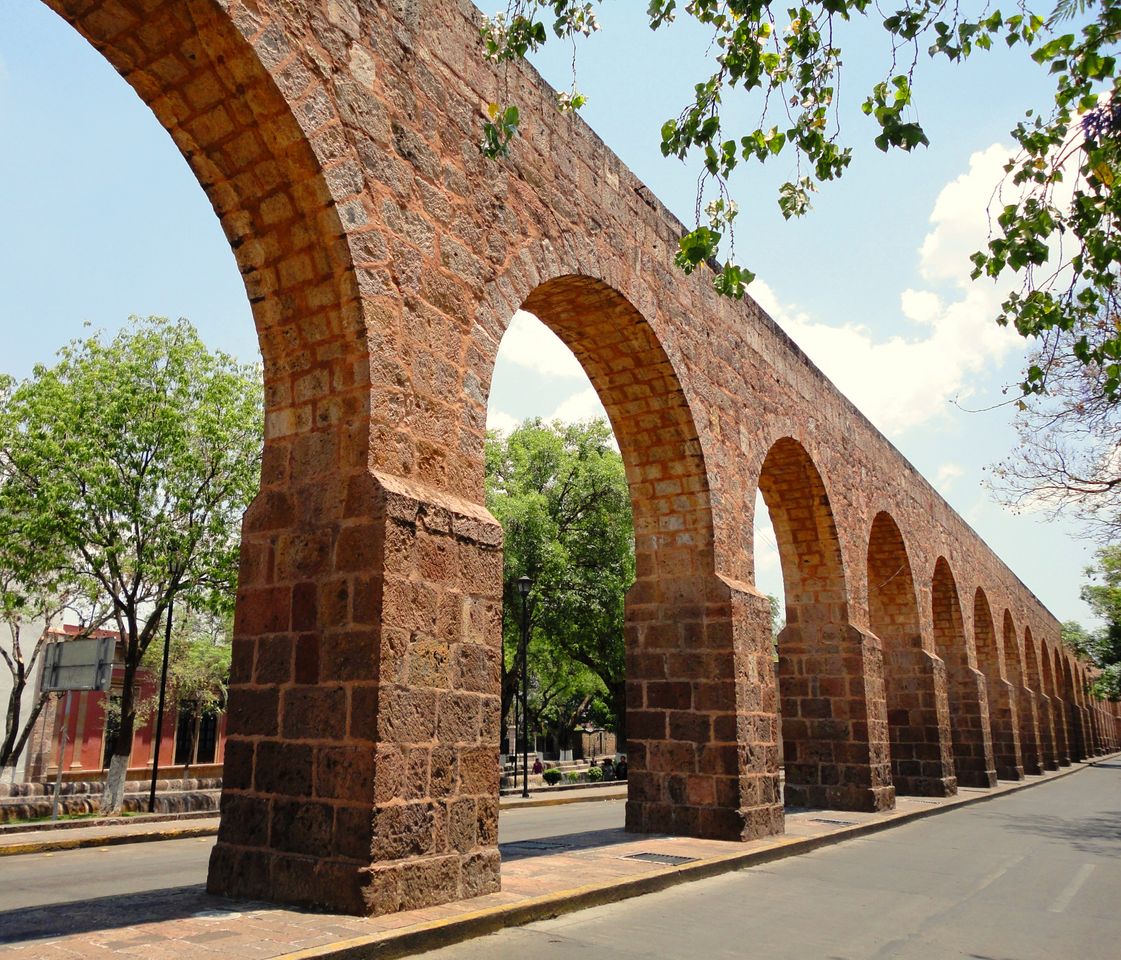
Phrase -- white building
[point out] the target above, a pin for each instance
(29, 634)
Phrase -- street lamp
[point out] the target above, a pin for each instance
(525, 584)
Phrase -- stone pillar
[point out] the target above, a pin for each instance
(1005, 727)
(1077, 727)
(922, 762)
(1062, 740)
(361, 769)
(1047, 732)
(702, 749)
(1031, 751)
(969, 724)
(834, 717)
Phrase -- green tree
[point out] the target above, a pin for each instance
(198, 672)
(37, 586)
(790, 62)
(135, 456)
(561, 495)
(1102, 647)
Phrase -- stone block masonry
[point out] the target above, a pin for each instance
(384, 258)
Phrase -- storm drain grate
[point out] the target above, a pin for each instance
(923, 800)
(839, 823)
(666, 858)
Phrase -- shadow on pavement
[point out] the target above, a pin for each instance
(112, 913)
(564, 843)
(1099, 834)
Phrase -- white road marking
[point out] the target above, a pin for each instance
(996, 875)
(1062, 901)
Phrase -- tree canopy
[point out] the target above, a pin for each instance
(1054, 226)
(132, 460)
(1102, 647)
(561, 495)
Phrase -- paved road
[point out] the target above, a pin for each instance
(1033, 876)
(37, 880)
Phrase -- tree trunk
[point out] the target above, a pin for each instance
(196, 729)
(112, 798)
(11, 723)
(509, 692)
(619, 704)
(25, 735)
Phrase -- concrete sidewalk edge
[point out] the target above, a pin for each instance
(443, 933)
(52, 844)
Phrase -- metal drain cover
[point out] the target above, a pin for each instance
(922, 800)
(667, 858)
(840, 823)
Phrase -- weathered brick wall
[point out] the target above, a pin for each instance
(384, 259)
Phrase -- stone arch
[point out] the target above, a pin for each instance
(834, 718)
(685, 706)
(965, 687)
(248, 112)
(1076, 716)
(218, 94)
(1098, 729)
(921, 763)
(994, 662)
(1036, 678)
(1055, 706)
(1026, 707)
(1053, 661)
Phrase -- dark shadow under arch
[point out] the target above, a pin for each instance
(834, 717)
(1004, 722)
(965, 687)
(920, 760)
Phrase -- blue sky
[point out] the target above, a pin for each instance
(104, 219)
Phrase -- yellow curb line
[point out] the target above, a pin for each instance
(434, 934)
(521, 804)
(105, 840)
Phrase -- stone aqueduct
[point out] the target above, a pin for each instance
(384, 258)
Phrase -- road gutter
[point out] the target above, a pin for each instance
(435, 934)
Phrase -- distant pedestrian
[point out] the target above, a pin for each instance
(608, 769)
(621, 769)
(537, 768)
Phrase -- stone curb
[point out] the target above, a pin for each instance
(51, 844)
(521, 804)
(136, 820)
(443, 933)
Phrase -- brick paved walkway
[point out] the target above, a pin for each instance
(187, 924)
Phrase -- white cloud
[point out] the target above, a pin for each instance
(583, 405)
(946, 476)
(902, 382)
(499, 420)
(530, 344)
(960, 217)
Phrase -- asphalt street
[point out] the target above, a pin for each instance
(1032, 876)
(38, 880)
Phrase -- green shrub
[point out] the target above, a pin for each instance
(573, 776)
(595, 774)
(552, 776)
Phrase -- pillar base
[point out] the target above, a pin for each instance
(818, 797)
(926, 786)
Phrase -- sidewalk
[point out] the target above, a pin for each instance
(540, 878)
(41, 838)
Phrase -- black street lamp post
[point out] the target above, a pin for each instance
(525, 584)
